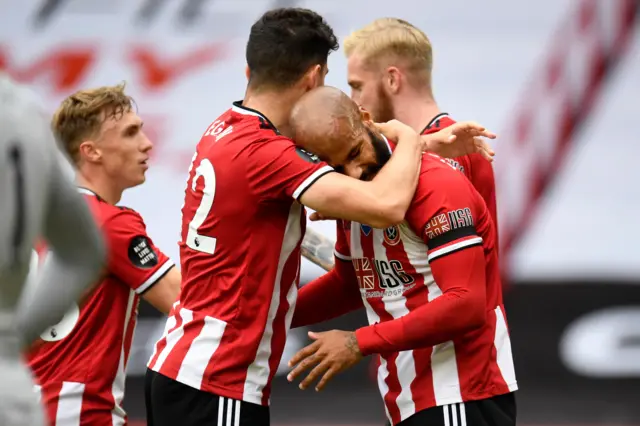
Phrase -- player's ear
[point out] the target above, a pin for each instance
(89, 152)
(314, 77)
(392, 80)
(247, 72)
(364, 114)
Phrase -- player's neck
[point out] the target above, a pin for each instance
(275, 106)
(416, 112)
(101, 186)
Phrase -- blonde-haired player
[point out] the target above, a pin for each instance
(390, 63)
(80, 365)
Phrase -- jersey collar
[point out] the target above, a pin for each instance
(86, 191)
(237, 107)
(434, 120)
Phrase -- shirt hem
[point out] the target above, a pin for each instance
(252, 398)
(485, 394)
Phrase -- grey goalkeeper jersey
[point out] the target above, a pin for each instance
(38, 201)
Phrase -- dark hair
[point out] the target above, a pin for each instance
(284, 43)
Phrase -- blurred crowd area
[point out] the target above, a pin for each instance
(558, 81)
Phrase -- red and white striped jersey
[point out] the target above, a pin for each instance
(240, 254)
(395, 277)
(80, 366)
(474, 166)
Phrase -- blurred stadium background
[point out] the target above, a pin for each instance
(559, 80)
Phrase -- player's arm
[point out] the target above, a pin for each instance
(381, 202)
(333, 294)
(384, 201)
(77, 255)
(457, 261)
(461, 308)
(458, 266)
(136, 261)
(482, 177)
(318, 249)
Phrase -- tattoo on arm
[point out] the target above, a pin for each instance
(318, 249)
(352, 344)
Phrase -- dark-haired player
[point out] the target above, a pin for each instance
(242, 224)
(430, 287)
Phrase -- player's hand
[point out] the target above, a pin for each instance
(395, 130)
(332, 352)
(315, 216)
(460, 139)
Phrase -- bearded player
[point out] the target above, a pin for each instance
(242, 225)
(389, 71)
(80, 365)
(430, 286)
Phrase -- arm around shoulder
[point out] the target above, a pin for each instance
(336, 195)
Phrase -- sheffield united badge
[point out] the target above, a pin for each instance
(392, 235)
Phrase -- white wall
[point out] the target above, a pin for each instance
(485, 53)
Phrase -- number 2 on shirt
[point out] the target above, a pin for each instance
(195, 240)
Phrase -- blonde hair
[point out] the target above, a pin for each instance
(393, 39)
(81, 115)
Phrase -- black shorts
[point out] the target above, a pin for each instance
(497, 411)
(171, 403)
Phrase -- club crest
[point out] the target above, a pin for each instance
(392, 235)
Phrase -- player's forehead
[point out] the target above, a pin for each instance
(345, 147)
(115, 123)
(358, 70)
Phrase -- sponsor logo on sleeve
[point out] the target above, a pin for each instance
(445, 222)
(141, 253)
(460, 218)
(438, 225)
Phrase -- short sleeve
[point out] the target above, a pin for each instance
(442, 213)
(277, 168)
(342, 250)
(133, 258)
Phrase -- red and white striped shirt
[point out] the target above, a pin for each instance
(432, 294)
(80, 367)
(474, 166)
(240, 253)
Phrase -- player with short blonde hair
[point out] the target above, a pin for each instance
(82, 114)
(390, 65)
(388, 41)
(80, 366)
